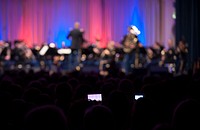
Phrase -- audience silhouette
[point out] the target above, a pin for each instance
(40, 100)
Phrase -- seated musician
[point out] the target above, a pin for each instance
(97, 49)
(5, 54)
(170, 54)
(156, 54)
(107, 56)
(5, 50)
(169, 57)
(21, 54)
(182, 57)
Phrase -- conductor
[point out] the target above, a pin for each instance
(76, 37)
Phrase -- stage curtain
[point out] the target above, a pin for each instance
(188, 26)
(40, 22)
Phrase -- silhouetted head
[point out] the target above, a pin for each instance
(98, 117)
(162, 126)
(186, 115)
(46, 117)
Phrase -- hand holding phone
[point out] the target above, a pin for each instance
(94, 97)
(138, 96)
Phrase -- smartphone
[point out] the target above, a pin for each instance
(94, 97)
(138, 96)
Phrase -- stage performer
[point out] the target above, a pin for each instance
(76, 36)
(131, 46)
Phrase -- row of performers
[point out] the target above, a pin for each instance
(131, 53)
(135, 55)
(20, 54)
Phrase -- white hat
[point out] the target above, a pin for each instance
(134, 30)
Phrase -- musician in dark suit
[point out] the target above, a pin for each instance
(76, 36)
(131, 45)
(182, 57)
(170, 55)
